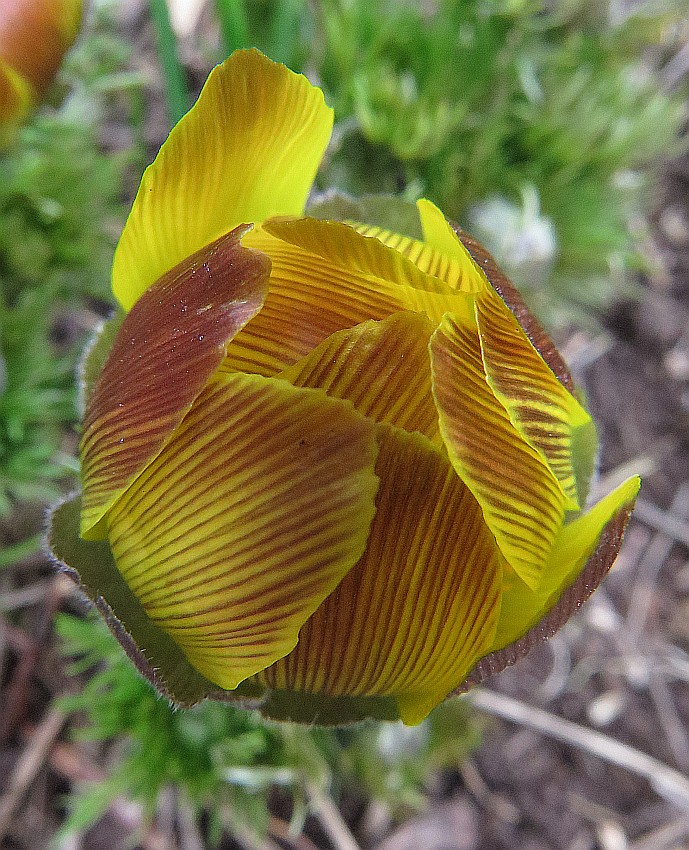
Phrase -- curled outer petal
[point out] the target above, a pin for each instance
(254, 511)
(163, 355)
(248, 149)
(520, 496)
(535, 392)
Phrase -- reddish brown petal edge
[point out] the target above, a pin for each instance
(163, 354)
(595, 570)
(540, 340)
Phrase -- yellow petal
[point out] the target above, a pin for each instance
(362, 252)
(164, 352)
(419, 608)
(251, 515)
(248, 149)
(440, 255)
(438, 233)
(315, 294)
(520, 497)
(539, 406)
(382, 367)
(510, 295)
(523, 608)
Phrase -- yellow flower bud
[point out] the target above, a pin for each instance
(34, 36)
(329, 468)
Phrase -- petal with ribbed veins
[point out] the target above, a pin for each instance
(440, 254)
(539, 406)
(313, 296)
(522, 608)
(252, 514)
(354, 248)
(248, 149)
(520, 497)
(163, 355)
(382, 367)
(420, 607)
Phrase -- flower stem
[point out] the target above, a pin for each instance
(175, 83)
(234, 24)
(284, 30)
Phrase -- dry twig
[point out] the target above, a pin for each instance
(331, 819)
(32, 759)
(668, 783)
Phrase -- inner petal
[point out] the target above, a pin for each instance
(521, 498)
(421, 605)
(382, 367)
(313, 296)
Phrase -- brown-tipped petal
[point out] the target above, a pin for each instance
(163, 355)
(509, 294)
(539, 406)
(583, 553)
(521, 499)
(420, 606)
(382, 367)
(312, 297)
(254, 511)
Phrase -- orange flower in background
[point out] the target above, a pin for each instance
(329, 468)
(34, 36)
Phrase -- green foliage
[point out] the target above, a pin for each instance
(225, 760)
(282, 29)
(478, 102)
(175, 85)
(59, 212)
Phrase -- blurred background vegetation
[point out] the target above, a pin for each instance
(538, 126)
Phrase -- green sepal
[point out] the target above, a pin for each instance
(160, 660)
(386, 211)
(95, 354)
(157, 657)
(585, 448)
(324, 710)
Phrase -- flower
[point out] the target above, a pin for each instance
(34, 36)
(326, 468)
